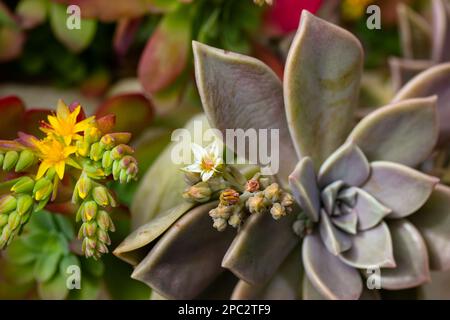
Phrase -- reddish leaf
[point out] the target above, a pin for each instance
(166, 53)
(124, 35)
(32, 119)
(11, 113)
(133, 112)
(11, 37)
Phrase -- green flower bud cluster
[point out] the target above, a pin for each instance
(302, 226)
(27, 196)
(94, 198)
(17, 160)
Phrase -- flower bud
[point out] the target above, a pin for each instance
(123, 177)
(26, 159)
(2, 157)
(102, 248)
(7, 204)
(42, 189)
(229, 197)
(4, 238)
(277, 211)
(24, 185)
(25, 217)
(272, 192)
(89, 210)
(221, 211)
(83, 148)
(252, 185)
(3, 219)
(13, 220)
(83, 186)
(116, 169)
(24, 204)
(100, 195)
(235, 220)
(299, 228)
(120, 151)
(89, 228)
(103, 236)
(256, 204)
(200, 192)
(191, 178)
(220, 224)
(107, 161)
(96, 151)
(10, 160)
(287, 199)
(104, 221)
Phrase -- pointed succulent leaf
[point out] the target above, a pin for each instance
(403, 70)
(433, 222)
(400, 188)
(369, 210)
(309, 292)
(54, 288)
(129, 251)
(440, 50)
(133, 112)
(321, 85)
(303, 185)
(415, 33)
(161, 187)
(405, 132)
(165, 55)
(187, 257)
(433, 81)
(284, 285)
(260, 247)
(347, 164)
(331, 277)
(240, 92)
(437, 288)
(346, 222)
(370, 248)
(75, 40)
(410, 255)
(334, 239)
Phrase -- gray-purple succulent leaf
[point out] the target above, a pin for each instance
(433, 81)
(440, 50)
(240, 92)
(187, 257)
(403, 70)
(321, 86)
(404, 132)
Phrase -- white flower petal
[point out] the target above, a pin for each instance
(198, 152)
(206, 175)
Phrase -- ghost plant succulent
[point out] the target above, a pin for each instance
(360, 201)
(425, 41)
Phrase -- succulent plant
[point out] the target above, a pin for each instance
(424, 39)
(362, 203)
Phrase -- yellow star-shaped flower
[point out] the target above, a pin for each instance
(65, 124)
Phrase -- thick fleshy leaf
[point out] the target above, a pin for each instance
(347, 164)
(161, 187)
(410, 255)
(404, 132)
(309, 291)
(128, 250)
(368, 210)
(346, 222)
(166, 53)
(240, 92)
(53, 289)
(433, 81)
(415, 33)
(332, 278)
(124, 35)
(11, 112)
(303, 185)
(437, 288)
(187, 258)
(260, 247)
(440, 50)
(75, 40)
(284, 285)
(31, 120)
(334, 239)
(321, 85)
(133, 111)
(370, 248)
(403, 70)
(433, 222)
(400, 188)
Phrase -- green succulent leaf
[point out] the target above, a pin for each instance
(329, 276)
(19, 254)
(404, 132)
(54, 288)
(433, 222)
(46, 266)
(32, 12)
(391, 184)
(433, 81)
(411, 258)
(187, 257)
(321, 85)
(65, 226)
(240, 92)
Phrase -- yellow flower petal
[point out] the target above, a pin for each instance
(45, 165)
(59, 168)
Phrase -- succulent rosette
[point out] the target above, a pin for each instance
(361, 202)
